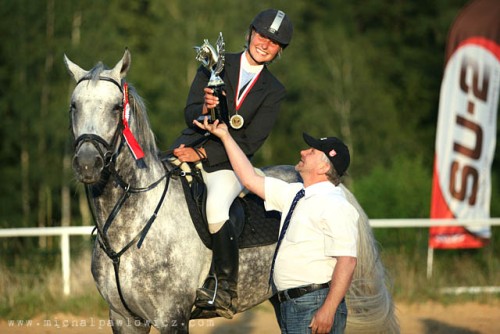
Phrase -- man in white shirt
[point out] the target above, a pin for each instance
(316, 250)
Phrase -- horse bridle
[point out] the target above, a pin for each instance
(112, 148)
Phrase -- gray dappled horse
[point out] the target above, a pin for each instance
(148, 260)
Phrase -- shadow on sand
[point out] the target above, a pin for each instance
(437, 327)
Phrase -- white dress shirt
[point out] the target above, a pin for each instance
(323, 225)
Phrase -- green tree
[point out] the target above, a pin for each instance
(369, 72)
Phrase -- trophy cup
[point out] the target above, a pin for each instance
(213, 60)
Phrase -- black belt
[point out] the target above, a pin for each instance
(300, 291)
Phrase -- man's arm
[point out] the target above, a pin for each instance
(239, 161)
(322, 321)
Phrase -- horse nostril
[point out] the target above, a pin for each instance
(75, 164)
(87, 163)
(99, 163)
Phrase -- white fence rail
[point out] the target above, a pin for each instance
(66, 232)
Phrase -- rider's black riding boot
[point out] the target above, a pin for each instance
(223, 294)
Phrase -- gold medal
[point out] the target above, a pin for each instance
(236, 122)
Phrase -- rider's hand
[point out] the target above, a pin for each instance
(211, 101)
(188, 154)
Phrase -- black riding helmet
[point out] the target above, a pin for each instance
(275, 25)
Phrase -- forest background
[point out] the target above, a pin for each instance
(366, 71)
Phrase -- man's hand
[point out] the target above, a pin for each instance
(241, 165)
(322, 321)
(216, 128)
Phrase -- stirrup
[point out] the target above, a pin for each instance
(224, 310)
(211, 301)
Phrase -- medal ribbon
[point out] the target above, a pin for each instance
(132, 143)
(239, 100)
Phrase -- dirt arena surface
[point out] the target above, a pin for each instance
(427, 318)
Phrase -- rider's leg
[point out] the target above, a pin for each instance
(226, 261)
(222, 188)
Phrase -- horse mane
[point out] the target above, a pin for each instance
(144, 134)
(93, 75)
(140, 125)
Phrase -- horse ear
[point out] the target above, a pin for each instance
(74, 70)
(121, 68)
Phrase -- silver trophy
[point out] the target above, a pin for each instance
(213, 60)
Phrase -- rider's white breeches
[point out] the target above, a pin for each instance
(223, 187)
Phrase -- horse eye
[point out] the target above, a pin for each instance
(118, 107)
(72, 107)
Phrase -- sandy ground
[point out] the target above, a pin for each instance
(427, 318)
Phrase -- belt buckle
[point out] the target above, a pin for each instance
(282, 296)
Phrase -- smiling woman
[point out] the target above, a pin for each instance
(261, 49)
(254, 97)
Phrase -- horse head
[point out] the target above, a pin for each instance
(96, 116)
(206, 54)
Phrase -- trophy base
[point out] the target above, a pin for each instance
(201, 119)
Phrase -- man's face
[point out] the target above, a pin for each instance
(310, 160)
(262, 49)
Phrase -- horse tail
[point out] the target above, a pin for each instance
(370, 305)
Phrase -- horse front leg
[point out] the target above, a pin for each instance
(127, 325)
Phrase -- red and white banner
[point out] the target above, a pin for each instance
(466, 131)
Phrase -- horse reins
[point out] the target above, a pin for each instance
(109, 158)
(139, 238)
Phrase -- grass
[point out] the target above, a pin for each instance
(31, 285)
(25, 296)
(407, 267)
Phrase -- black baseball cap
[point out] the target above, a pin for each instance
(335, 150)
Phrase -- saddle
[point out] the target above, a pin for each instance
(253, 225)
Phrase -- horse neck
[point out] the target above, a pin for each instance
(138, 174)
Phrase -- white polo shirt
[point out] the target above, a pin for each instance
(323, 225)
